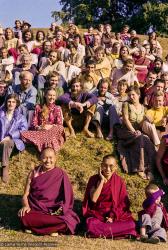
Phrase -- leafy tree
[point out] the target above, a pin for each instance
(155, 14)
(138, 13)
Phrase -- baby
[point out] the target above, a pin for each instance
(153, 217)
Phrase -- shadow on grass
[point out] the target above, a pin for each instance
(81, 229)
(10, 204)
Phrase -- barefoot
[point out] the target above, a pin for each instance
(5, 174)
(88, 133)
(72, 134)
(142, 175)
(99, 135)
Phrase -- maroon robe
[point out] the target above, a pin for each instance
(113, 202)
(141, 72)
(145, 92)
(50, 191)
(151, 211)
(165, 156)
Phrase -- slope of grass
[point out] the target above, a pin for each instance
(81, 158)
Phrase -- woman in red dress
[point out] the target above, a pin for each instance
(47, 124)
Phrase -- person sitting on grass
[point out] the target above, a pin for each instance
(48, 199)
(47, 124)
(106, 206)
(12, 122)
(157, 117)
(105, 110)
(27, 94)
(153, 217)
(53, 82)
(78, 103)
(122, 96)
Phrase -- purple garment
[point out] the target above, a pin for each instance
(52, 190)
(19, 68)
(152, 198)
(82, 97)
(17, 124)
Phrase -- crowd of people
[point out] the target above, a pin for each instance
(110, 86)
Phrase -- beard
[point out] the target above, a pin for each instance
(157, 70)
(75, 94)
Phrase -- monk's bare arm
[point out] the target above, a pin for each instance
(27, 190)
(95, 192)
(25, 204)
(159, 157)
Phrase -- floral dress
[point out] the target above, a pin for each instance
(42, 138)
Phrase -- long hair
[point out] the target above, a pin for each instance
(45, 109)
(12, 96)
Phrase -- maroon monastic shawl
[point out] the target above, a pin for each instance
(119, 203)
(50, 191)
(151, 211)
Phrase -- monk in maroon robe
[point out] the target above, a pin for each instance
(106, 204)
(48, 199)
(162, 159)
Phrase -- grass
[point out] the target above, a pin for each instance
(81, 158)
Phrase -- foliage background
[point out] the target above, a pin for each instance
(139, 14)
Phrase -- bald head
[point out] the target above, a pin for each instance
(26, 78)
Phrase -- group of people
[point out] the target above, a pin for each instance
(114, 82)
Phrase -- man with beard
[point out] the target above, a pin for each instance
(126, 72)
(157, 66)
(89, 78)
(78, 103)
(105, 109)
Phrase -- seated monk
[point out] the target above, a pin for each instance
(106, 205)
(48, 199)
(162, 159)
(78, 103)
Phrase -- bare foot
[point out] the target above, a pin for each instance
(142, 175)
(72, 134)
(99, 135)
(5, 174)
(88, 133)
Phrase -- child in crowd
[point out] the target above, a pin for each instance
(153, 217)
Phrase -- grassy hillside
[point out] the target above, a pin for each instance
(163, 41)
(81, 158)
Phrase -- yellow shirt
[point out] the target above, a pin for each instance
(157, 114)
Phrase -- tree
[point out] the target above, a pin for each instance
(155, 14)
(116, 12)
